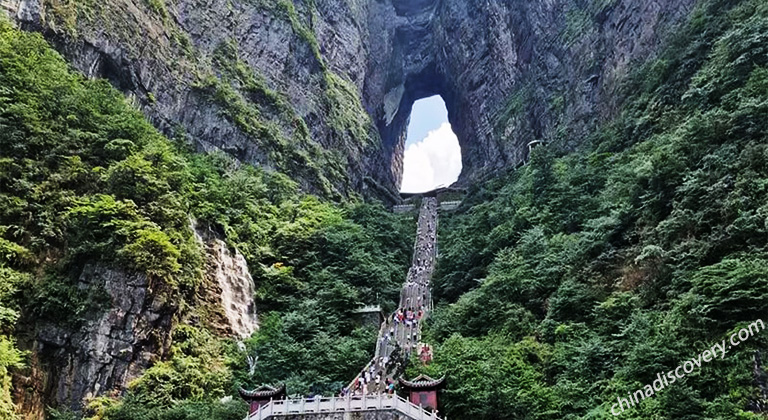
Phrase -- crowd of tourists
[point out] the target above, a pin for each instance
(401, 331)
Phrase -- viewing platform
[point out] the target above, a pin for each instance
(385, 407)
(438, 193)
(449, 205)
(404, 208)
(444, 206)
(448, 198)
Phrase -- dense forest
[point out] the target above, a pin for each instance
(561, 286)
(575, 280)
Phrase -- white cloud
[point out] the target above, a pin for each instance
(432, 162)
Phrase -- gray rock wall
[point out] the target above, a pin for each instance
(128, 329)
(510, 72)
(272, 85)
(104, 352)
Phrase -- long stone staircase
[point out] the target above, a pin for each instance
(400, 333)
(398, 338)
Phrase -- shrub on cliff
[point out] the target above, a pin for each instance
(624, 258)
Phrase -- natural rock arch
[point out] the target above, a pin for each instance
(414, 56)
(509, 72)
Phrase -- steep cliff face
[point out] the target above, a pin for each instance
(106, 351)
(323, 89)
(114, 346)
(247, 78)
(509, 72)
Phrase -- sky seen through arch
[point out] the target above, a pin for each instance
(432, 152)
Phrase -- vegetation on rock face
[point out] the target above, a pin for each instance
(85, 179)
(578, 278)
(10, 356)
(280, 136)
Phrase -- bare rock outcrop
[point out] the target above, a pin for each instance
(105, 351)
(323, 89)
(129, 329)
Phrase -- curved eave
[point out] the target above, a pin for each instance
(260, 394)
(434, 383)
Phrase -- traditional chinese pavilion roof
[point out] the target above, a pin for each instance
(263, 392)
(423, 382)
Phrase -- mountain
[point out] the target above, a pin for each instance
(195, 198)
(322, 90)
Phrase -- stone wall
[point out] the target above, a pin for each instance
(364, 415)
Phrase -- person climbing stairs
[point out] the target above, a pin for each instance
(400, 333)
